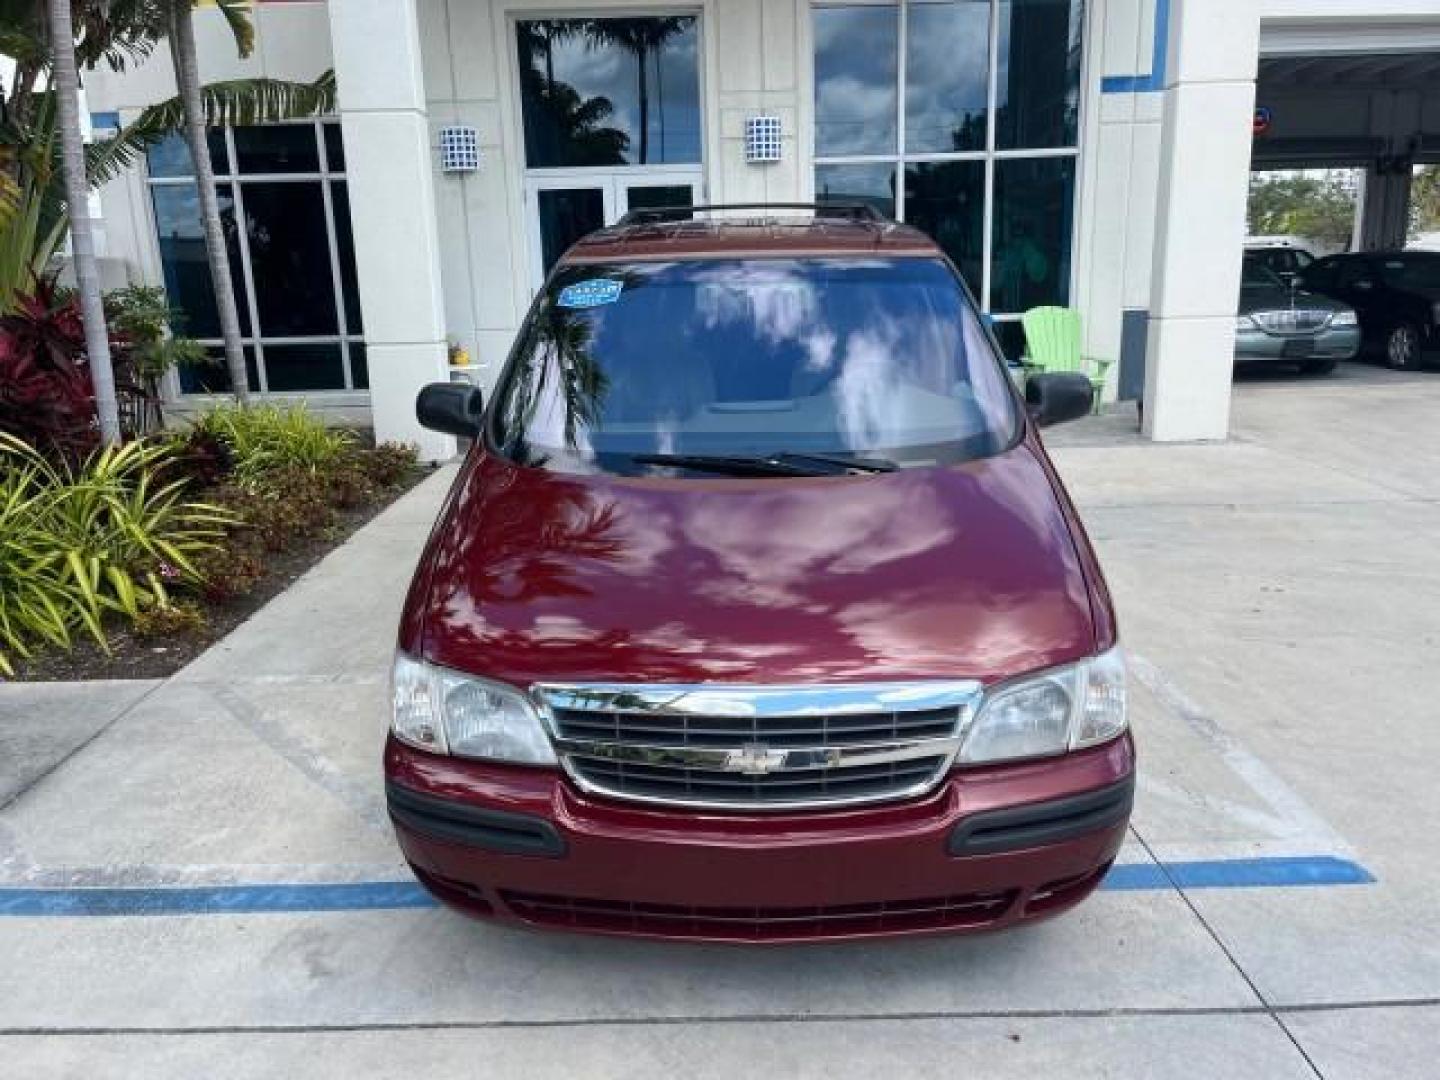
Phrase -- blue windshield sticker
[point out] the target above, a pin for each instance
(592, 293)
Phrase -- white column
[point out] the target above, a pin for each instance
(1200, 221)
(392, 208)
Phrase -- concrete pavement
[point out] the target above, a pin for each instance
(1278, 599)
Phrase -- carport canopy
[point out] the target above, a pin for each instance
(1364, 100)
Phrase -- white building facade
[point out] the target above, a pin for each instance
(1088, 153)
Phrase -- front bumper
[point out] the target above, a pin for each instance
(1339, 343)
(991, 847)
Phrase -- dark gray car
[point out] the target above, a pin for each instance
(1284, 325)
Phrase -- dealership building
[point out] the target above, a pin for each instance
(1089, 153)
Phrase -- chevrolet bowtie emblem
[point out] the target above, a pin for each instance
(754, 759)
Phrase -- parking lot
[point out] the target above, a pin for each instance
(197, 876)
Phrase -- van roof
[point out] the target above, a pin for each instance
(759, 230)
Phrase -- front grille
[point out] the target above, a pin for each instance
(682, 730)
(741, 747)
(668, 782)
(1292, 320)
(762, 923)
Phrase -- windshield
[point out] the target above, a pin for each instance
(864, 357)
(1255, 274)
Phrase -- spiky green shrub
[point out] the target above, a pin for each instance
(83, 541)
(266, 438)
(37, 603)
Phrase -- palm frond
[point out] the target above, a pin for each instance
(237, 17)
(238, 102)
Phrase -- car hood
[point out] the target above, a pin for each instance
(1269, 298)
(959, 572)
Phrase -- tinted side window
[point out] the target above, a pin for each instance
(1356, 270)
(1319, 275)
(1411, 272)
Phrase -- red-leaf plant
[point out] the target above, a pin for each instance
(46, 397)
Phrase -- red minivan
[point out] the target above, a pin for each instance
(757, 611)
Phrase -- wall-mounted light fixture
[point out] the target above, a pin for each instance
(762, 140)
(459, 149)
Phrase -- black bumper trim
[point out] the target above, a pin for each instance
(1036, 824)
(494, 830)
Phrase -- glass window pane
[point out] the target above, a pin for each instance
(567, 214)
(183, 261)
(334, 148)
(873, 184)
(947, 200)
(213, 377)
(856, 75)
(1034, 204)
(171, 157)
(359, 366)
(345, 245)
(947, 76)
(1011, 336)
(282, 148)
(1039, 84)
(290, 258)
(304, 367)
(646, 196)
(610, 91)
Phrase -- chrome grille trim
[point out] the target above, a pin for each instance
(744, 747)
(1292, 320)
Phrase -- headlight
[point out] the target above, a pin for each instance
(1244, 322)
(1063, 709)
(1344, 318)
(446, 712)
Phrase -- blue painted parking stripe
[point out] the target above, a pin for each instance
(216, 899)
(1275, 872)
(1287, 872)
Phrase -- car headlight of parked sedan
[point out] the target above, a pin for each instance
(1244, 322)
(447, 712)
(1065, 708)
(1345, 318)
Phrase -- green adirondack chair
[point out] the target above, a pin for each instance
(1052, 339)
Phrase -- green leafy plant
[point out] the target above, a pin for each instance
(107, 536)
(145, 347)
(265, 438)
(36, 601)
(143, 322)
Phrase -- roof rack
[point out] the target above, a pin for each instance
(842, 211)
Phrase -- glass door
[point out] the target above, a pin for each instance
(562, 210)
(564, 207)
(612, 118)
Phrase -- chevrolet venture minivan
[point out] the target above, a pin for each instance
(757, 611)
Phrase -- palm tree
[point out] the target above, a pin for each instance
(66, 81)
(187, 81)
(640, 38)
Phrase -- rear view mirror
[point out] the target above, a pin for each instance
(453, 408)
(1058, 397)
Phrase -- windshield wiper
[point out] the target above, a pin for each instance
(781, 464)
(854, 464)
(731, 466)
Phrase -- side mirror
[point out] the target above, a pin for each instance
(454, 408)
(1056, 398)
